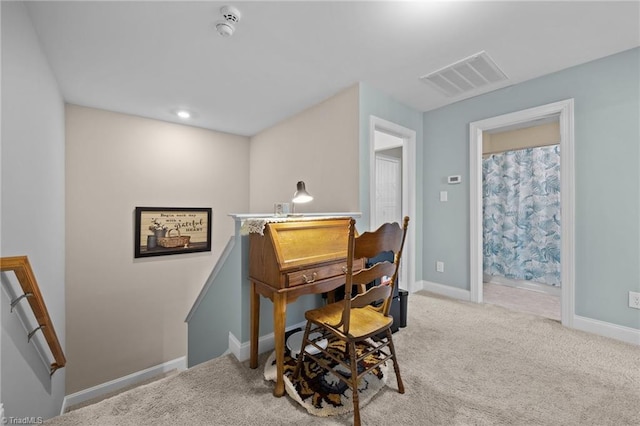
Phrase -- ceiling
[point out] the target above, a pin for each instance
(150, 58)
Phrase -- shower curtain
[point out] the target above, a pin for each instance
(521, 223)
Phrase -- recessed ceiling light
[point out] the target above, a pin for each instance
(183, 114)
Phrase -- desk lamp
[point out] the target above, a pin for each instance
(300, 196)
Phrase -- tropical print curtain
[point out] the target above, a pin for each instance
(521, 201)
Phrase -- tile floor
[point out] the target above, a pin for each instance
(523, 300)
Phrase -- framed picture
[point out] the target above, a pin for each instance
(162, 231)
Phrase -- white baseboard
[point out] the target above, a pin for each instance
(266, 343)
(606, 329)
(446, 290)
(117, 384)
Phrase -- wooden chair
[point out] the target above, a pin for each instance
(363, 318)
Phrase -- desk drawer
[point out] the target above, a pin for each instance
(307, 276)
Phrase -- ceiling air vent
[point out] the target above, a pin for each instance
(466, 75)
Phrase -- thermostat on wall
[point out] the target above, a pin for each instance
(454, 179)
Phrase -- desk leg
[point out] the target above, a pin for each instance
(255, 326)
(279, 320)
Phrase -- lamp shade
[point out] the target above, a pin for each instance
(301, 195)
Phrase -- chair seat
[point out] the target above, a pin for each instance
(364, 321)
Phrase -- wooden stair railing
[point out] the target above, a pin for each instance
(21, 267)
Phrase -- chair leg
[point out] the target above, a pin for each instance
(396, 367)
(296, 372)
(354, 381)
(347, 349)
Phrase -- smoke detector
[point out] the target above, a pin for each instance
(230, 14)
(231, 17)
(224, 28)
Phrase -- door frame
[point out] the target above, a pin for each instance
(565, 112)
(408, 136)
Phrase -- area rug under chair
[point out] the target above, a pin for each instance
(319, 391)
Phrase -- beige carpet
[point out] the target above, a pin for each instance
(462, 364)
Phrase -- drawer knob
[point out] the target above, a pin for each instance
(310, 279)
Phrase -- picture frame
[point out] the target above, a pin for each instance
(161, 231)
(280, 209)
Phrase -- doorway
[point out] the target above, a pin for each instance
(392, 183)
(564, 112)
(522, 217)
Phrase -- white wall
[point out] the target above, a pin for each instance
(124, 314)
(32, 213)
(318, 146)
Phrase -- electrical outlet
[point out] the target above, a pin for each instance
(439, 266)
(634, 300)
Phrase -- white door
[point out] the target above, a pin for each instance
(388, 189)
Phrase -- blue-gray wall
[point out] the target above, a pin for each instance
(217, 312)
(33, 221)
(607, 180)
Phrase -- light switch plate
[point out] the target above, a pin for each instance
(444, 196)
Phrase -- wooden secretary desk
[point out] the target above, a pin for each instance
(291, 258)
